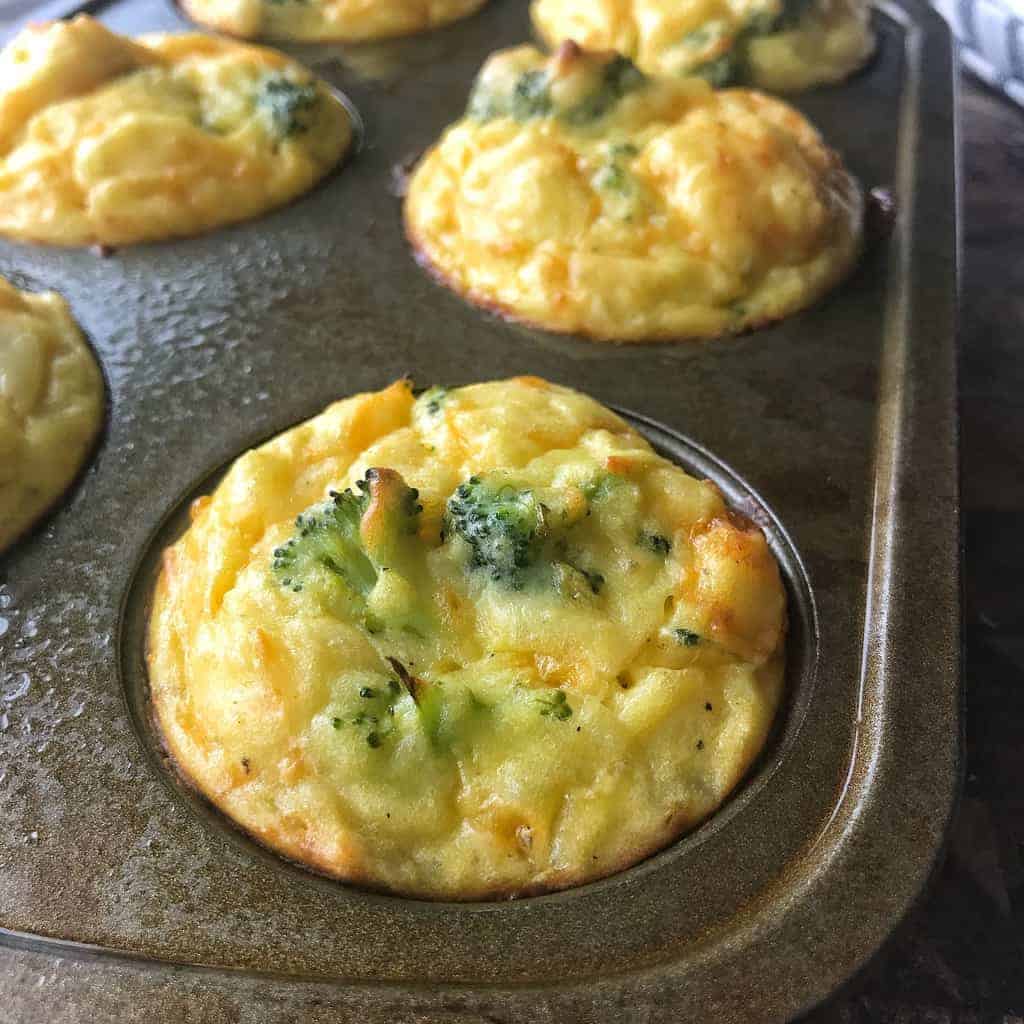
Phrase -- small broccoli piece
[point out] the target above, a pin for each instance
(619, 77)
(529, 97)
(374, 717)
(286, 105)
(516, 538)
(601, 486)
(686, 637)
(351, 537)
(654, 542)
(327, 538)
(555, 705)
(502, 524)
(721, 71)
(613, 178)
(433, 398)
(391, 515)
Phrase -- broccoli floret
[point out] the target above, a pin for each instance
(327, 537)
(447, 713)
(717, 51)
(373, 716)
(513, 537)
(530, 95)
(349, 539)
(286, 105)
(502, 524)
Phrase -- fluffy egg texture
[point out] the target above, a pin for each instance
(109, 140)
(580, 195)
(51, 405)
(480, 642)
(779, 45)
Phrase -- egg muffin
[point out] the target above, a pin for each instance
(109, 140)
(51, 405)
(327, 20)
(481, 642)
(773, 44)
(580, 195)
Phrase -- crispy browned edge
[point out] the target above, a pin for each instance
(675, 827)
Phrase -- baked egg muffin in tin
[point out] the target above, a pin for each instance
(580, 195)
(51, 405)
(780, 45)
(110, 140)
(327, 20)
(482, 642)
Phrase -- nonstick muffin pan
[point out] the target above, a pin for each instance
(123, 896)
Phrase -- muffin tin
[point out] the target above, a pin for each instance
(124, 896)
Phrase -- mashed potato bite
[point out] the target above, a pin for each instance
(108, 140)
(580, 195)
(773, 44)
(340, 20)
(481, 642)
(51, 405)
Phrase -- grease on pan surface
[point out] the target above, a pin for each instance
(484, 642)
(339, 20)
(51, 405)
(109, 140)
(772, 44)
(579, 195)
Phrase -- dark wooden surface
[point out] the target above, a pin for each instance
(959, 957)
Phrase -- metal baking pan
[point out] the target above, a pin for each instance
(124, 897)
